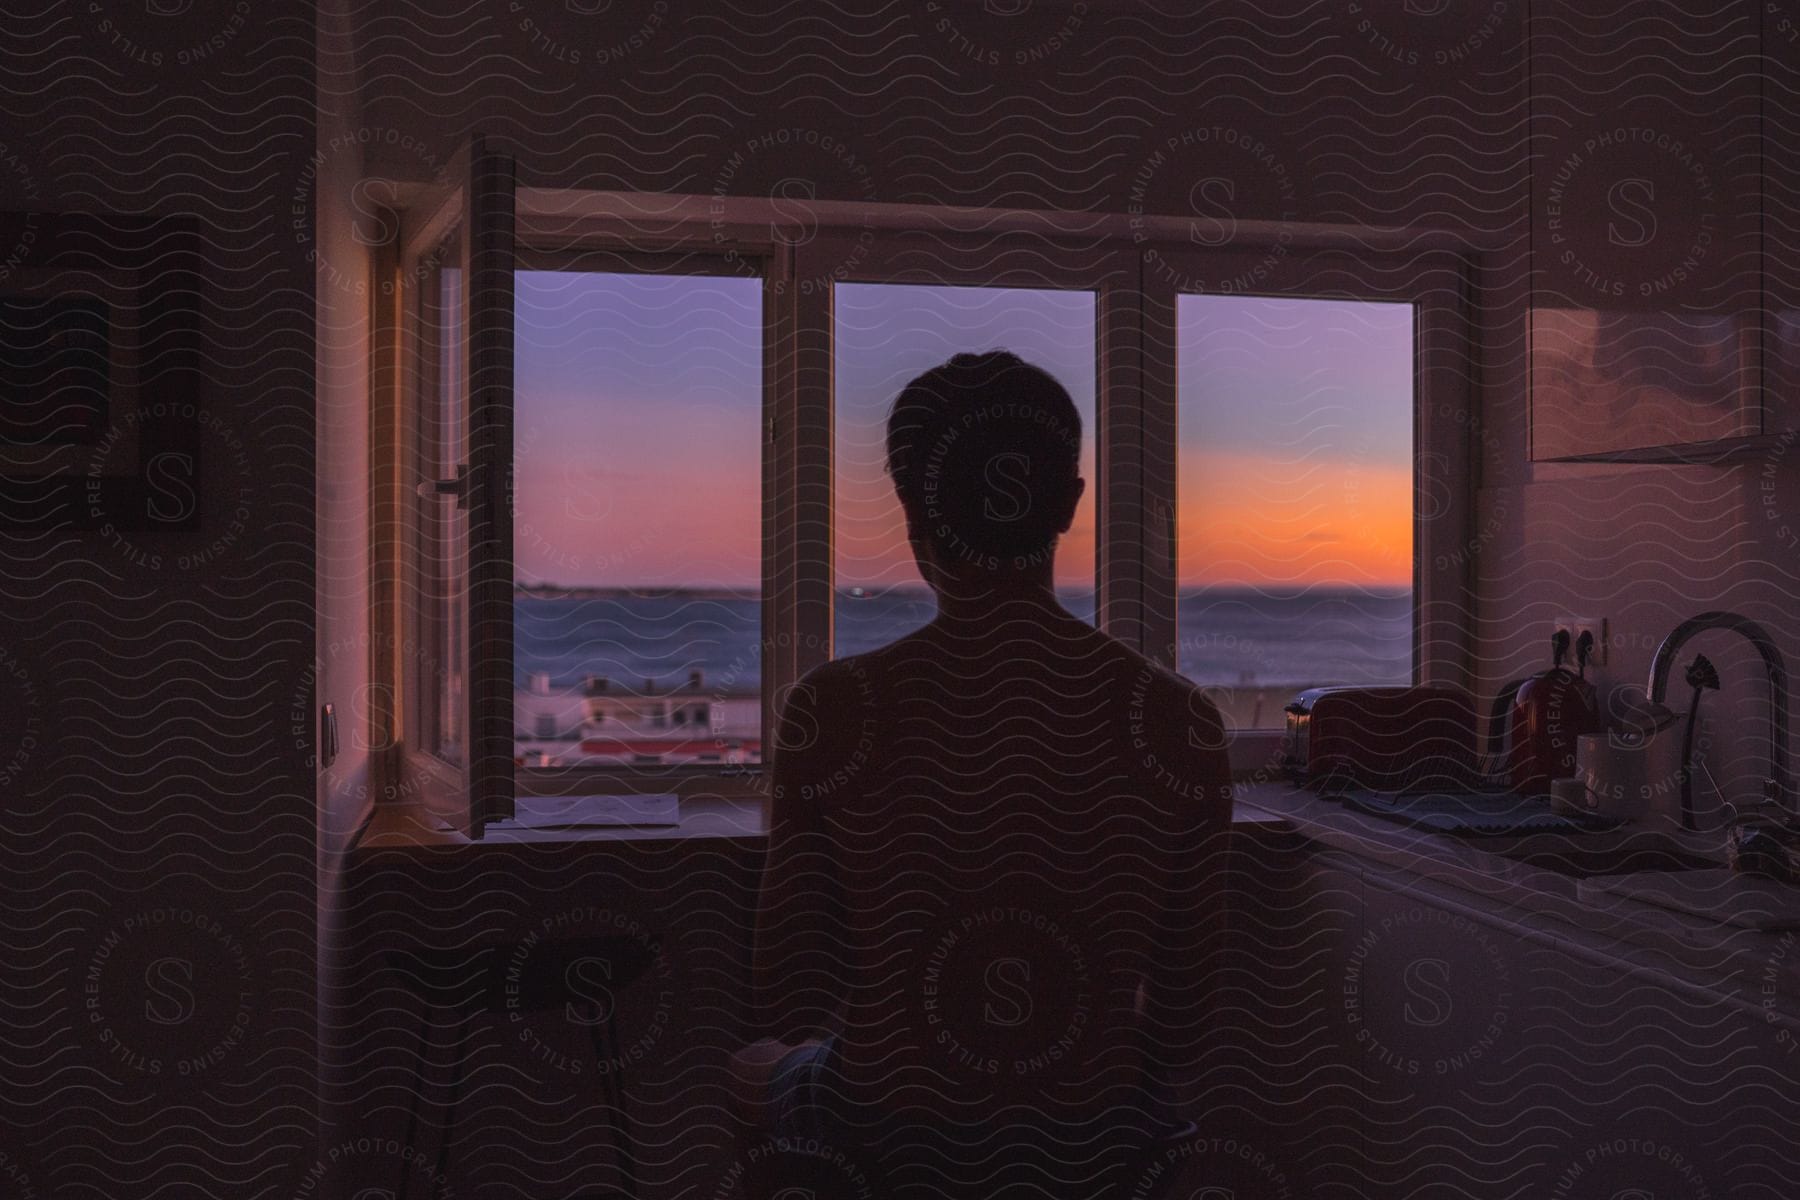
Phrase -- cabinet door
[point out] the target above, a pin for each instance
(1460, 1042)
(1659, 1089)
(1645, 223)
(1765, 1091)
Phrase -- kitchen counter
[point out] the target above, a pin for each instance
(1682, 951)
(1400, 1012)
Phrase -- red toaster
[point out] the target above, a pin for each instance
(1384, 738)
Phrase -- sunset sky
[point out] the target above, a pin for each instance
(1296, 430)
(638, 428)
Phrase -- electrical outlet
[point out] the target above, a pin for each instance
(1577, 626)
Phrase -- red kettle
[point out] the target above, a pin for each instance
(1541, 717)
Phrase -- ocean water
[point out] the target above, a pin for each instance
(1229, 637)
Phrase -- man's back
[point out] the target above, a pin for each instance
(1006, 817)
(988, 867)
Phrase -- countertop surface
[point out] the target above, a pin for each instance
(1463, 873)
(1680, 950)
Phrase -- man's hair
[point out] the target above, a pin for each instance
(984, 451)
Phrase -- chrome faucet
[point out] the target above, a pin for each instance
(1778, 789)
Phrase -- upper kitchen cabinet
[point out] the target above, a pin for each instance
(1646, 227)
(1781, 215)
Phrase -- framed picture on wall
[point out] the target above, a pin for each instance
(70, 360)
(101, 404)
(1624, 380)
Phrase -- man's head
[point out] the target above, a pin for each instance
(985, 454)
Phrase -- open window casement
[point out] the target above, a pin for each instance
(456, 262)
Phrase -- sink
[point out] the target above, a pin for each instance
(1524, 829)
(1486, 813)
(1581, 858)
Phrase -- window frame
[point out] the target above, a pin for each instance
(473, 203)
(424, 770)
(553, 238)
(1434, 282)
(797, 243)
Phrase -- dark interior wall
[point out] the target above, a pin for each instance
(1309, 115)
(346, 787)
(157, 843)
(1648, 546)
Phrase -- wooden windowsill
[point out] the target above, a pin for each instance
(400, 826)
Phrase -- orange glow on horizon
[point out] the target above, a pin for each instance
(1261, 521)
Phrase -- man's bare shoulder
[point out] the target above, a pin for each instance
(827, 725)
(1176, 739)
(1169, 693)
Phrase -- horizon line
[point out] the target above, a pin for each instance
(752, 592)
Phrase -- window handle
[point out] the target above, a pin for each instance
(457, 487)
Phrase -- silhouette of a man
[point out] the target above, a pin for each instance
(991, 864)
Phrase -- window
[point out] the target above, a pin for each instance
(695, 409)
(637, 538)
(1295, 553)
(441, 591)
(443, 516)
(1306, 450)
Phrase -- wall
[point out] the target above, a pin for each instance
(1648, 546)
(346, 787)
(157, 869)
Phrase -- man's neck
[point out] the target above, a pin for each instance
(983, 599)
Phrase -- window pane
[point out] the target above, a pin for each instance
(1295, 552)
(884, 336)
(637, 528)
(443, 524)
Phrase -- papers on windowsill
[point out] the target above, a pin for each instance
(581, 812)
